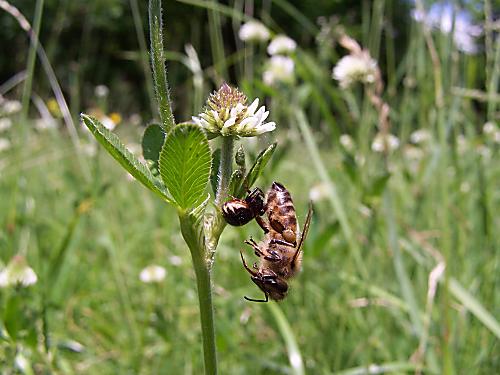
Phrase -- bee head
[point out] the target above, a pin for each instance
(275, 287)
(255, 201)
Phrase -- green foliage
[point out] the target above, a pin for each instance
(185, 163)
(257, 169)
(128, 160)
(152, 142)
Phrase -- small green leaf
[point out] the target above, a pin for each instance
(123, 156)
(236, 181)
(256, 170)
(185, 164)
(152, 142)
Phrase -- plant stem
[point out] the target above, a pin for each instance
(158, 65)
(192, 234)
(204, 285)
(225, 169)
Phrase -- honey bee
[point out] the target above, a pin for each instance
(280, 251)
(239, 212)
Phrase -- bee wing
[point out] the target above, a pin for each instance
(304, 232)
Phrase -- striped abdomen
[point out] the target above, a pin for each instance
(281, 212)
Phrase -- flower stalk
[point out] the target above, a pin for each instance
(225, 169)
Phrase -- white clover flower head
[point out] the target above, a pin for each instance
(318, 192)
(279, 69)
(489, 128)
(227, 114)
(45, 124)
(254, 31)
(17, 272)
(420, 136)
(108, 123)
(385, 143)
(153, 274)
(281, 45)
(10, 107)
(5, 124)
(355, 68)
(101, 91)
(4, 144)
(347, 142)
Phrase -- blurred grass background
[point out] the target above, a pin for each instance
(382, 224)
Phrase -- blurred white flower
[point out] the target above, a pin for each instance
(45, 124)
(484, 152)
(175, 260)
(153, 274)
(5, 124)
(442, 15)
(101, 91)
(385, 143)
(108, 122)
(227, 114)
(420, 136)
(413, 153)
(253, 31)
(89, 149)
(4, 144)
(281, 45)
(17, 272)
(10, 107)
(135, 119)
(318, 192)
(490, 129)
(279, 69)
(347, 142)
(355, 68)
(462, 144)
(464, 187)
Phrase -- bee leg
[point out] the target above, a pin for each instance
(272, 256)
(257, 300)
(255, 246)
(281, 242)
(262, 224)
(253, 273)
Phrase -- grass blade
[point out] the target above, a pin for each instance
(474, 306)
(294, 355)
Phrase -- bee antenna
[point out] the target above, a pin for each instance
(257, 300)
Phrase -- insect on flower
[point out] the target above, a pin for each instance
(239, 212)
(280, 252)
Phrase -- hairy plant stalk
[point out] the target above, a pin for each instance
(225, 169)
(197, 246)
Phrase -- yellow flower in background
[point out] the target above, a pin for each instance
(115, 117)
(53, 107)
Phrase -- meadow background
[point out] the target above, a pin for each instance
(401, 269)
